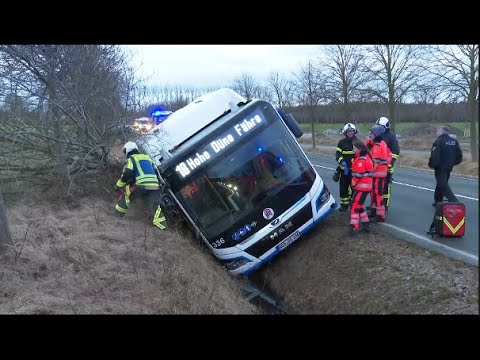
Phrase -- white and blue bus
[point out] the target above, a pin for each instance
(240, 178)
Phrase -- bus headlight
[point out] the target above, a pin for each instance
(236, 263)
(322, 199)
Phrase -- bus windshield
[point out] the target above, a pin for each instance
(268, 165)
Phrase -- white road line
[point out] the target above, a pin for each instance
(424, 188)
(435, 244)
(409, 185)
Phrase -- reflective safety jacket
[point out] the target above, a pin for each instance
(345, 151)
(139, 170)
(379, 150)
(362, 172)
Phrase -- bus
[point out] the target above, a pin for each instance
(238, 176)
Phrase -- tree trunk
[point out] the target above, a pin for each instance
(313, 125)
(391, 114)
(473, 107)
(5, 238)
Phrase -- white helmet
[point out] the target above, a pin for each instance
(349, 127)
(129, 146)
(384, 122)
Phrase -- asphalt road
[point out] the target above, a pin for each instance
(411, 211)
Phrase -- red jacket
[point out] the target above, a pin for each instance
(379, 151)
(362, 168)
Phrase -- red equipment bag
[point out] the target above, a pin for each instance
(449, 220)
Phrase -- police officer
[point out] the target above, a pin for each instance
(445, 154)
(140, 179)
(344, 156)
(394, 150)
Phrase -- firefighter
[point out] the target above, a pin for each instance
(344, 156)
(362, 171)
(393, 152)
(140, 179)
(445, 154)
(378, 149)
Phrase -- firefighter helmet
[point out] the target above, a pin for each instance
(384, 122)
(349, 127)
(129, 146)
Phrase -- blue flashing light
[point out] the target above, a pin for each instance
(260, 149)
(281, 159)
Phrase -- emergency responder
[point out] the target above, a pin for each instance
(140, 179)
(378, 149)
(344, 156)
(362, 171)
(394, 151)
(445, 154)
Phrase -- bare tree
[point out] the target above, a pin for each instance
(393, 72)
(456, 68)
(344, 65)
(79, 93)
(310, 90)
(281, 88)
(246, 85)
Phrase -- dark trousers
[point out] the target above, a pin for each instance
(345, 189)
(443, 189)
(151, 199)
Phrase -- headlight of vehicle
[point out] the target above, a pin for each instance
(236, 263)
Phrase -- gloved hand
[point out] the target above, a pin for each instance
(391, 169)
(346, 171)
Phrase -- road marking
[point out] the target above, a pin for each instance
(414, 186)
(436, 244)
(424, 188)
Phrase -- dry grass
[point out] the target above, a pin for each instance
(80, 259)
(330, 273)
(83, 260)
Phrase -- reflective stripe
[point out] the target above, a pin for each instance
(395, 156)
(354, 219)
(120, 209)
(348, 152)
(453, 229)
(380, 174)
(363, 186)
(360, 175)
(157, 219)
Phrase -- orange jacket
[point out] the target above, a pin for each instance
(362, 168)
(379, 151)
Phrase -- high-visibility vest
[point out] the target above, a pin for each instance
(362, 171)
(379, 156)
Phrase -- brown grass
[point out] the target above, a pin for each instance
(330, 273)
(82, 260)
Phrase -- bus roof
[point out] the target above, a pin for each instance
(187, 121)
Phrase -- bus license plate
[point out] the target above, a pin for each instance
(288, 241)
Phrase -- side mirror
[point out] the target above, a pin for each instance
(291, 123)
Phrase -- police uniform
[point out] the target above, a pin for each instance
(445, 154)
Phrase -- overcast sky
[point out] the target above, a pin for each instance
(216, 65)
